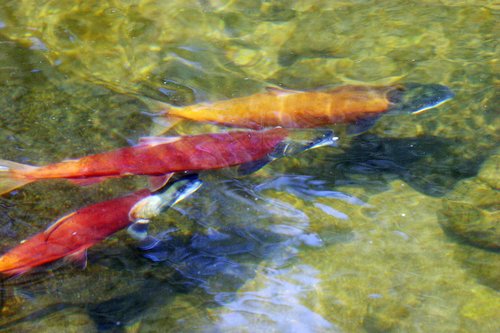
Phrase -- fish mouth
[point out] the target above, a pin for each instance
(416, 98)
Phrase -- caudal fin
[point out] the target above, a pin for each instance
(10, 177)
(162, 124)
(162, 120)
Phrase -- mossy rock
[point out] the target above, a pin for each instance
(471, 224)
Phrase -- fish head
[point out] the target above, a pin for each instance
(180, 188)
(292, 147)
(415, 98)
(164, 198)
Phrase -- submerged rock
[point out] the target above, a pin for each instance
(71, 320)
(490, 172)
(471, 224)
(471, 211)
(482, 265)
(331, 260)
(398, 272)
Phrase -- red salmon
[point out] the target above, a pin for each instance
(153, 157)
(74, 233)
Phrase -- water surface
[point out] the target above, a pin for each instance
(394, 231)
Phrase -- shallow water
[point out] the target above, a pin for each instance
(394, 231)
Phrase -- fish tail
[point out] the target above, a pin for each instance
(163, 121)
(12, 175)
(163, 124)
(157, 108)
(14, 272)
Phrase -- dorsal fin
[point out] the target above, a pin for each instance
(275, 90)
(157, 140)
(56, 225)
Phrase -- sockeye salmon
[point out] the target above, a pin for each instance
(307, 109)
(154, 156)
(73, 234)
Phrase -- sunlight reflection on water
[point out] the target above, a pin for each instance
(214, 259)
(307, 188)
(276, 307)
(73, 81)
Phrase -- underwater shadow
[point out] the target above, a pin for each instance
(430, 164)
(149, 290)
(237, 229)
(180, 268)
(207, 263)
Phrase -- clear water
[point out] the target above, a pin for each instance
(395, 231)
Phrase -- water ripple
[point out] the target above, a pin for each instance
(275, 307)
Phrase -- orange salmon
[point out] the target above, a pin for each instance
(154, 156)
(307, 109)
(73, 234)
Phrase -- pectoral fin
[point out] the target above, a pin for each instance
(362, 125)
(80, 258)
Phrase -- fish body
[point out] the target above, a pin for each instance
(153, 157)
(73, 234)
(290, 108)
(308, 109)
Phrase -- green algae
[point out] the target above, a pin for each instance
(471, 212)
(471, 224)
(74, 78)
(396, 274)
